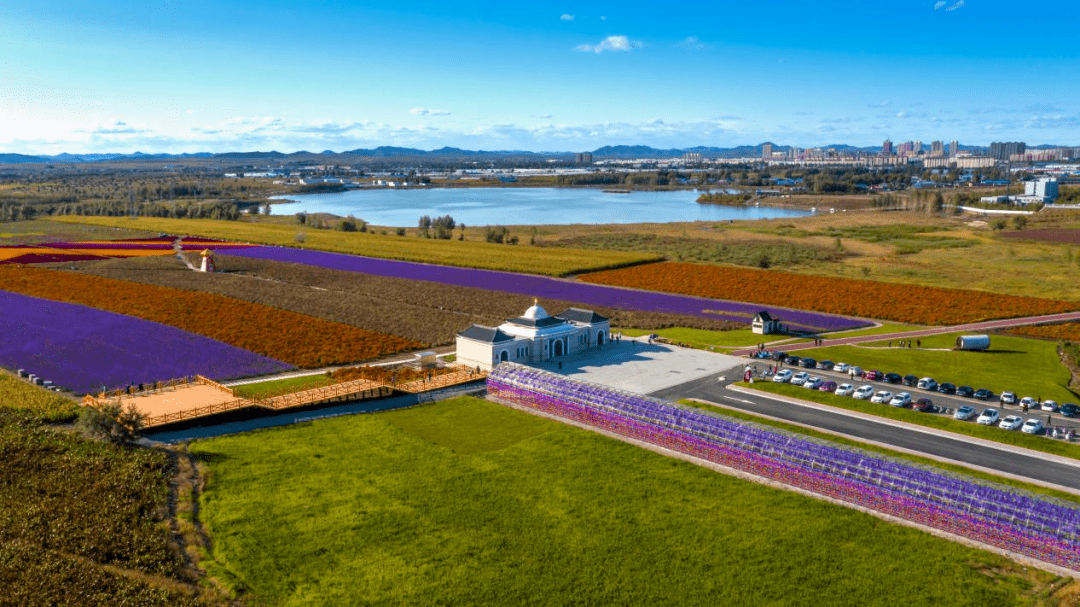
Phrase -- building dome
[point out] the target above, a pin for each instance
(535, 312)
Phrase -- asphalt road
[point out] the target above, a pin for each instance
(959, 449)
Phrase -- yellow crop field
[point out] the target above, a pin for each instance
(551, 261)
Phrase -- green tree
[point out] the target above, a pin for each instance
(111, 423)
(1020, 222)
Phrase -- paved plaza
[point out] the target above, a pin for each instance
(636, 365)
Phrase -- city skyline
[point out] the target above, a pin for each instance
(84, 78)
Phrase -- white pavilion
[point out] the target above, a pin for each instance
(532, 337)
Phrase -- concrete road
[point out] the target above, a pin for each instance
(1023, 464)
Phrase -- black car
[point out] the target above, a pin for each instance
(893, 378)
(946, 388)
(911, 380)
(826, 365)
(965, 391)
(793, 361)
(983, 394)
(779, 355)
(1069, 410)
(808, 363)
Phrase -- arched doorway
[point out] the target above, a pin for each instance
(599, 338)
(504, 356)
(557, 349)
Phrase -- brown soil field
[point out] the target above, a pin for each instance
(1065, 235)
(425, 312)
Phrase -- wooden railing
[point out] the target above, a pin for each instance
(321, 394)
(168, 418)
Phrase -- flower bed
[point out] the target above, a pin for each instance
(300, 340)
(1066, 331)
(83, 349)
(1021, 522)
(82, 251)
(902, 303)
(553, 288)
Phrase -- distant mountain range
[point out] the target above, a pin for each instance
(385, 152)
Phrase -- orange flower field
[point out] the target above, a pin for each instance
(301, 340)
(1069, 331)
(896, 302)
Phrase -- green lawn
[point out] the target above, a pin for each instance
(701, 338)
(969, 428)
(1029, 367)
(273, 387)
(888, 327)
(466, 502)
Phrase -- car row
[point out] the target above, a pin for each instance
(991, 416)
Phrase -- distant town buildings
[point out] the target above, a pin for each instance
(954, 148)
(766, 151)
(692, 157)
(937, 148)
(583, 158)
(1003, 150)
(886, 148)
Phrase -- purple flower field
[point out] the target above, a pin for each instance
(81, 348)
(554, 288)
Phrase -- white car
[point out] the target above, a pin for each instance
(1008, 398)
(1049, 405)
(1032, 426)
(799, 378)
(927, 383)
(1012, 422)
(900, 400)
(782, 376)
(964, 413)
(845, 390)
(989, 417)
(813, 382)
(1030, 402)
(841, 367)
(881, 397)
(863, 393)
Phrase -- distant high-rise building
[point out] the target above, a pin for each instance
(954, 148)
(692, 157)
(583, 158)
(886, 148)
(1002, 150)
(916, 148)
(766, 151)
(937, 148)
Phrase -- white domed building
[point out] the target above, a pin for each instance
(532, 337)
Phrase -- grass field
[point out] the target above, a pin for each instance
(465, 502)
(20, 394)
(1028, 367)
(274, 387)
(470, 253)
(968, 428)
(700, 338)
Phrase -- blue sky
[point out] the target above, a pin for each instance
(177, 76)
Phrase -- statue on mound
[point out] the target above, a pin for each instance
(207, 261)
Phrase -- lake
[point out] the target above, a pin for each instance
(522, 206)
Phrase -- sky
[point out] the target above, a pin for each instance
(83, 76)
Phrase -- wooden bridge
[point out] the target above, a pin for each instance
(178, 400)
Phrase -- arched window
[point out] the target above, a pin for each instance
(505, 356)
(600, 337)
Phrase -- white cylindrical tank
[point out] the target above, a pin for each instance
(973, 342)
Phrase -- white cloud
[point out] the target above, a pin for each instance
(956, 6)
(544, 116)
(939, 4)
(419, 111)
(566, 17)
(693, 43)
(611, 43)
(603, 18)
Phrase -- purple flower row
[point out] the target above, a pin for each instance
(83, 349)
(554, 288)
(1019, 521)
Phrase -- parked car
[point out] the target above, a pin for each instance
(893, 378)
(1011, 422)
(1049, 405)
(828, 386)
(1032, 426)
(965, 391)
(826, 365)
(946, 388)
(782, 376)
(841, 367)
(881, 397)
(1007, 398)
(799, 378)
(1070, 410)
(872, 375)
(924, 405)
(779, 355)
(793, 361)
(808, 363)
(983, 394)
(910, 380)
(856, 371)
(927, 383)
(863, 392)
(761, 354)
(1029, 402)
(845, 390)
(964, 413)
(900, 400)
(813, 382)
(989, 417)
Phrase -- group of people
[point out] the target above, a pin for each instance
(906, 343)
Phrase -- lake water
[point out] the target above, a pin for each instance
(522, 206)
